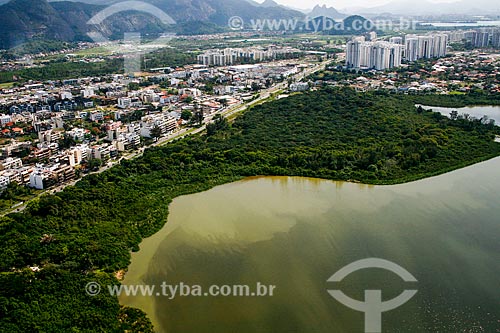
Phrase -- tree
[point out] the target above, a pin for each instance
(219, 124)
(66, 142)
(133, 86)
(156, 132)
(13, 191)
(186, 115)
(94, 164)
(198, 117)
(224, 102)
(211, 129)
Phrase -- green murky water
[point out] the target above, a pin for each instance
(294, 233)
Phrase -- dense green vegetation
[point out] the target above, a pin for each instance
(62, 69)
(86, 232)
(478, 97)
(15, 194)
(35, 46)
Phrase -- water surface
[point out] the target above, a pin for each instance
(296, 232)
(493, 112)
(464, 24)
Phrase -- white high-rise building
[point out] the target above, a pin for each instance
(229, 56)
(359, 54)
(456, 36)
(411, 49)
(353, 54)
(373, 55)
(396, 40)
(439, 45)
(480, 38)
(495, 39)
(380, 56)
(395, 56)
(425, 47)
(425, 44)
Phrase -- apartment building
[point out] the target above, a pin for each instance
(50, 136)
(5, 119)
(373, 55)
(11, 163)
(425, 47)
(127, 141)
(4, 182)
(45, 176)
(480, 39)
(101, 152)
(229, 56)
(495, 39)
(77, 154)
(165, 123)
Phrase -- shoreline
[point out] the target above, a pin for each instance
(159, 233)
(139, 207)
(122, 272)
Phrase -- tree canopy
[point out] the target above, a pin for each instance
(86, 232)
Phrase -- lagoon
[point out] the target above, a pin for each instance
(296, 232)
(493, 112)
(463, 24)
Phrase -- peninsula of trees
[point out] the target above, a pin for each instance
(86, 232)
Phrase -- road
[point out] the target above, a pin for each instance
(230, 111)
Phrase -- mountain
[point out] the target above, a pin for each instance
(425, 7)
(25, 20)
(349, 24)
(216, 11)
(269, 3)
(220, 11)
(326, 12)
(22, 20)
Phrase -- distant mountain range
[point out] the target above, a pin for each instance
(326, 12)
(25, 20)
(425, 7)
(22, 20)
(269, 4)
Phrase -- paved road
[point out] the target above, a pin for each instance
(264, 95)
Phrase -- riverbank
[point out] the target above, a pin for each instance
(434, 174)
(458, 101)
(240, 232)
(93, 225)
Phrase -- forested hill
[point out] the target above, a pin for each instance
(24, 20)
(86, 232)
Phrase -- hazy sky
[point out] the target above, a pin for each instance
(339, 4)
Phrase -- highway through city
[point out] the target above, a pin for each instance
(181, 133)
